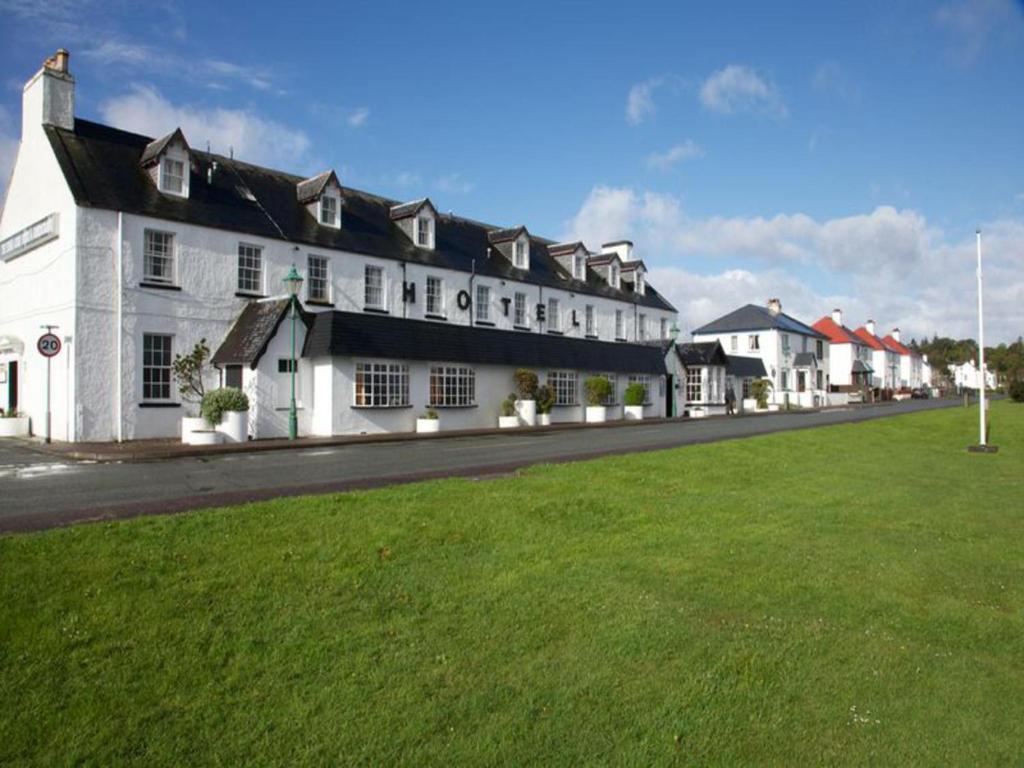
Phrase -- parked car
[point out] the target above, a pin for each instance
(919, 394)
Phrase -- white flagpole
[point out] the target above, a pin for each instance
(981, 347)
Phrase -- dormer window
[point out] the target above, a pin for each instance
(521, 254)
(172, 176)
(641, 282)
(579, 266)
(424, 232)
(330, 214)
(613, 275)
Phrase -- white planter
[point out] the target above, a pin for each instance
(526, 410)
(428, 425)
(190, 424)
(234, 425)
(14, 427)
(597, 414)
(634, 412)
(203, 437)
(773, 406)
(508, 422)
(544, 419)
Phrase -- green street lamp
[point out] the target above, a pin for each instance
(293, 283)
(674, 334)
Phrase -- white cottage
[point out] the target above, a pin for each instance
(137, 248)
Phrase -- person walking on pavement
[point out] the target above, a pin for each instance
(730, 400)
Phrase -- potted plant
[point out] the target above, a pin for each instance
(13, 424)
(526, 395)
(634, 398)
(508, 418)
(428, 422)
(188, 372)
(227, 411)
(545, 402)
(598, 391)
(760, 389)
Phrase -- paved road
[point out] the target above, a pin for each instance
(38, 492)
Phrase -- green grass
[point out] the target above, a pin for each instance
(842, 596)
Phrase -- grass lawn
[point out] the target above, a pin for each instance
(843, 596)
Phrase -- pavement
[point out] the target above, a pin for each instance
(41, 490)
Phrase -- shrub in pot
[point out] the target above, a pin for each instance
(508, 416)
(526, 396)
(188, 371)
(545, 402)
(227, 411)
(429, 421)
(598, 390)
(13, 423)
(760, 389)
(634, 398)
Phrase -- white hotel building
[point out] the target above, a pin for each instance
(136, 249)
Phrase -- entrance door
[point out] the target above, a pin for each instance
(12, 385)
(670, 392)
(801, 381)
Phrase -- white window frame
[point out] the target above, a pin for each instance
(438, 309)
(613, 393)
(554, 315)
(641, 327)
(565, 386)
(734, 343)
(164, 369)
(620, 326)
(451, 386)
(428, 230)
(590, 327)
(170, 182)
(663, 332)
(614, 275)
(482, 301)
(520, 311)
(521, 253)
(380, 385)
(694, 385)
(248, 271)
(643, 379)
(579, 266)
(150, 255)
(754, 342)
(312, 277)
(330, 205)
(641, 283)
(370, 300)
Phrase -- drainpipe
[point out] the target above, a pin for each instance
(118, 317)
(540, 300)
(636, 326)
(472, 298)
(405, 304)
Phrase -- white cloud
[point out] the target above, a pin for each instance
(972, 25)
(675, 155)
(453, 183)
(253, 138)
(8, 150)
(831, 79)
(358, 116)
(892, 264)
(738, 88)
(640, 102)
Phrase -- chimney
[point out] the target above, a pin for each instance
(624, 249)
(870, 325)
(774, 306)
(896, 335)
(837, 317)
(49, 97)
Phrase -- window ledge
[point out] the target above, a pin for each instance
(154, 404)
(555, 333)
(287, 408)
(485, 323)
(429, 316)
(160, 286)
(593, 336)
(380, 407)
(453, 407)
(248, 295)
(376, 310)
(567, 405)
(319, 303)
(521, 327)
(619, 339)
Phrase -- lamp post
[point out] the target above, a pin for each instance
(674, 334)
(293, 283)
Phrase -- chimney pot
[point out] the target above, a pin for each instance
(896, 334)
(870, 325)
(774, 306)
(837, 316)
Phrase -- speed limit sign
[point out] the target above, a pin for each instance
(48, 345)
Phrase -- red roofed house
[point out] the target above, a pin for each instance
(910, 362)
(884, 361)
(850, 359)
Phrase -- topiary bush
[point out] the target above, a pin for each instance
(545, 399)
(430, 413)
(217, 402)
(526, 384)
(598, 389)
(636, 394)
(508, 406)
(760, 389)
(1016, 390)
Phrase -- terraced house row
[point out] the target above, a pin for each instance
(134, 249)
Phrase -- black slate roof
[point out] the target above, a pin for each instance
(405, 210)
(153, 150)
(702, 353)
(859, 366)
(754, 318)
(805, 360)
(379, 336)
(101, 167)
(310, 189)
(745, 367)
(249, 336)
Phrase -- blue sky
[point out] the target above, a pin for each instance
(831, 154)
